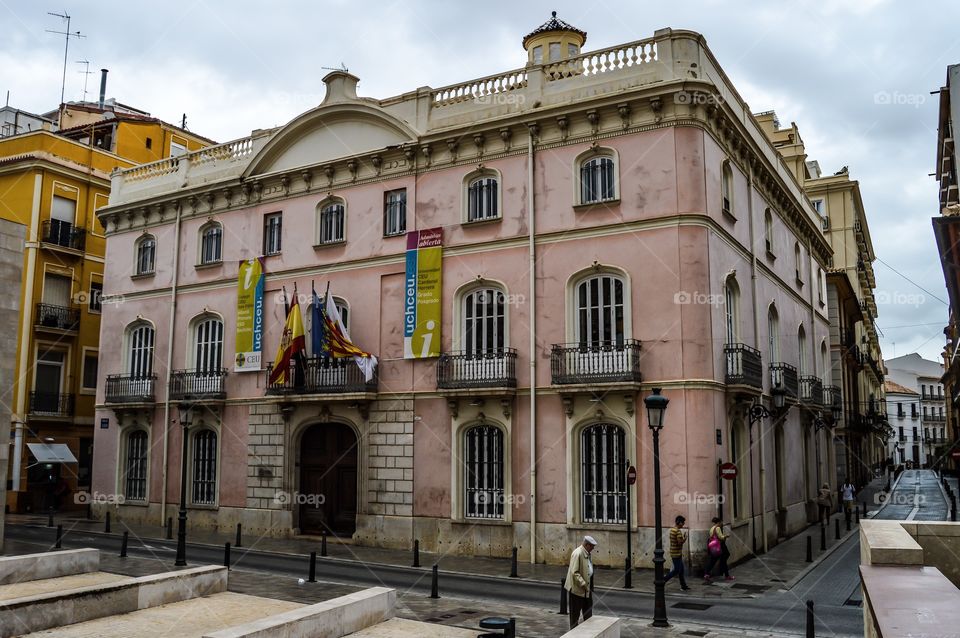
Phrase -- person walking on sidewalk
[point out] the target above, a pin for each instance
(848, 493)
(825, 503)
(677, 539)
(717, 552)
(578, 581)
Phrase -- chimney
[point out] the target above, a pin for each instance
(103, 86)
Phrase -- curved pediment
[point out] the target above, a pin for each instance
(329, 132)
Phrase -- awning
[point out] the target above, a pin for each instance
(51, 452)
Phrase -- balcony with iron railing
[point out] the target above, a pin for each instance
(811, 390)
(58, 318)
(744, 366)
(832, 396)
(784, 375)
(128, 388)
(471, 369)
(60, 234)
(321, 375)
(603, 362)
(51, 404)
(197, 385)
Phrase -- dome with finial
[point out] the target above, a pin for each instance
(552, 41)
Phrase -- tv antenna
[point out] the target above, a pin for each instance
(342, 67)
(86, 74)
(66, 47)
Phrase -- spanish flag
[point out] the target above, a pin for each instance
(337, 342)
(292, 343)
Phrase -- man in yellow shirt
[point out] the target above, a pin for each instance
(578, 581)
(677, 539)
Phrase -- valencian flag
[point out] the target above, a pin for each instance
(292, 343)
(334, 340)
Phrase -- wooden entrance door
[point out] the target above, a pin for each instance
(328, 480)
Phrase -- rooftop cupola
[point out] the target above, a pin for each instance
(552, 41)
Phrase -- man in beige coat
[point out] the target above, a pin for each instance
(578, 581)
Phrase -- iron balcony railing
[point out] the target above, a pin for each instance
(831, 396)
(128, 388)
(494, 369)
(60, 233)
(603, 362)
(321, 375)
(197, 384)
(58, 317)
(811, 390)
(51, 404)
(744, 365)
(784, 375)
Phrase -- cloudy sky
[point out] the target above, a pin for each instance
(855, 75)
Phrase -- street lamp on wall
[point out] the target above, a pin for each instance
(185, 412)
(656, 405)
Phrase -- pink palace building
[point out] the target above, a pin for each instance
(612, 221)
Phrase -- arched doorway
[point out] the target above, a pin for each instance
(328, 480)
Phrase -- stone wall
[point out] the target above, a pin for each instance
(11, 272)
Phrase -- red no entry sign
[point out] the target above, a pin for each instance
(631, 475)
(728, 471)
(955, 454)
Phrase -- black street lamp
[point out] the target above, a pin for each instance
(181, 561)
(656, 406)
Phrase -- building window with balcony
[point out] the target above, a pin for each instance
(900, 413)
(140, 350)
(773, 335)
(600, 318)
(483, 472)
(331, 221)
(825, 363)
(731, 298)
(135, 468)
(272, 233)
(603, 484)
(726, 188)
(146, 251)
(483, 329)
(598, 177)
(913, 410)
(395, 212)
(768, 231)
(205, 468)
(211, 243)
(801, 351)
(208, 344)
(482, 196)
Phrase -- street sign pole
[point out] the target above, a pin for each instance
(631, 480)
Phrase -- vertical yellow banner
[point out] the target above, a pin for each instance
(423, 294)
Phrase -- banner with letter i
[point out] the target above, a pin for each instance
(422, 294)
(250, 282)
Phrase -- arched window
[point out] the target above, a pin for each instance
(726, 187)
(603, 481)
(483, 327)
(600, 311)
(731, 300)
(773, 335)
(135, 467)
(331, 220)
(205, 467)
(140, 350)
(482, 196)
(211, 243)
(146, 253)
(825, 364)
(798, 262)
(483, 472)
(208, 345)
(768, 230)
(801, 351)
(598, 179)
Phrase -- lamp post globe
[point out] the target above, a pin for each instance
(779, 396)
(656, 405)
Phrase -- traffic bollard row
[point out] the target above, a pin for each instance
(106, 523)
(435, 583)
(239, 536)
(59, 536)
(563, 598)
(323, 543)
(416, 553)
(513, 563)
(123, 545)
(313, 568)
(226, 555)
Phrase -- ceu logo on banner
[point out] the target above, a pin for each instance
(421, 293)
(250, 281)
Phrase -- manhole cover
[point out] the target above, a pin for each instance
(692, 606)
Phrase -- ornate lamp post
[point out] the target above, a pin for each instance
(656, 407)
(185, 410)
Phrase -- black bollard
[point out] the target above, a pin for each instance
(313, 568)
(563, 598)
(809, 548)
(170, 528)
(823, 538)
(848, 523)
(123, 545)
(239, 536)
(59, 536)
(810, 630)
(106, 523)
(416, 553)
(836, 528)
(323, 543)
(513, 563)
(864, 509)
(226, 555)
(50, 518)
(435, 583)
(627, 574)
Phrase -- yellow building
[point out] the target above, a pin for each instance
(52, 182)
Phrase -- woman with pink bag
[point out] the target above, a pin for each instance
(717, 551)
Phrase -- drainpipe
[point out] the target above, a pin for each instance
(533, 349)
(170, 333)
(756, 344)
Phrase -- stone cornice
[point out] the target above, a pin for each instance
(53, 163)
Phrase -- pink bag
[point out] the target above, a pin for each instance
(714, 546)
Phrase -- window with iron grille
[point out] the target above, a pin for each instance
(603, 474)
(597, 180)
(482, 199)
(209, 345)
(331, 223)
(141, 351)
(272, 232)
(135, 479)
(600, 311)
(205, 467)
(395, 212)
(146, 255)
(483, 472)
(483, 321)
(211, 244)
